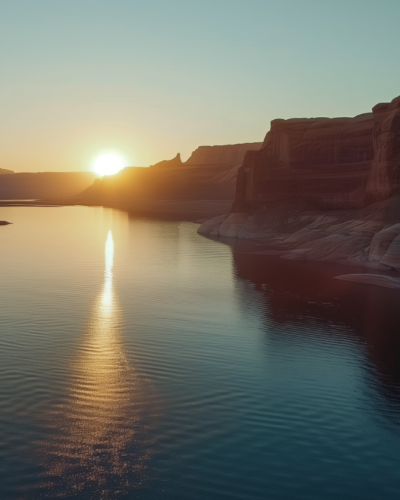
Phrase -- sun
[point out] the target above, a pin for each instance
(108, 164)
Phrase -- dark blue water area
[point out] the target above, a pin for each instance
(140, 360)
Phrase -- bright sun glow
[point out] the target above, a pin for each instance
(108, 164)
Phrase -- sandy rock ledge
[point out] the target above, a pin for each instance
(324, 237)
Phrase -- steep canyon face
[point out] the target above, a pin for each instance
(336, 163)
(323, 190)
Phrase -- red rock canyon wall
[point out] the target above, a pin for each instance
(337, 163)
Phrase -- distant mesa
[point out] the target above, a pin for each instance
(201, 187)
(44, 185)
(4, 171)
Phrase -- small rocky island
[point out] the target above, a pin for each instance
(322, 189)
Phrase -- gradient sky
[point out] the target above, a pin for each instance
(151, 78)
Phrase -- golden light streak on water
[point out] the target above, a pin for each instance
(97, 446)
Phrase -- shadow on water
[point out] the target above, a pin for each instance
(307, 293)
(97, 448)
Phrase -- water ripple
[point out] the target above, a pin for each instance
(187, 368)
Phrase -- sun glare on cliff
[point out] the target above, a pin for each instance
(108, 164)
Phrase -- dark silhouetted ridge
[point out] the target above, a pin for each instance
(44, 185)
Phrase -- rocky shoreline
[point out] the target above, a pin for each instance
(296, 230)
(322, 189)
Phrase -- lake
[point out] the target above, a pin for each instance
(140, 360)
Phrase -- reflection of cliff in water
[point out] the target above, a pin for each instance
(307, 292)
(98, 449)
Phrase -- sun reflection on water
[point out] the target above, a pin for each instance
(98, 445)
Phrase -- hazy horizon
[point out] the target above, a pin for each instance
(151, 80)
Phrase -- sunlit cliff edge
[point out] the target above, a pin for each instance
(322, 189)
(201, 187)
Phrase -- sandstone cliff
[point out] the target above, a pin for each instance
(169, 163)
(337, 163)
(323, 189)
(209, 176)
(232, 154)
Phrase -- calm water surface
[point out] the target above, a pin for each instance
(140, 360)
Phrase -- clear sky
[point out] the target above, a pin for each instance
(151, 78)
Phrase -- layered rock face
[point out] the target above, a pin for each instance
(368, 237)
(323, 190)
(232, 154)
(337, 163)
(384, 178)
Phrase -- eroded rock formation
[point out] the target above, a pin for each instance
(337, 163)
(231, 154)
(323, 189)
(384, 176)
(208, 176)
(169, 163)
